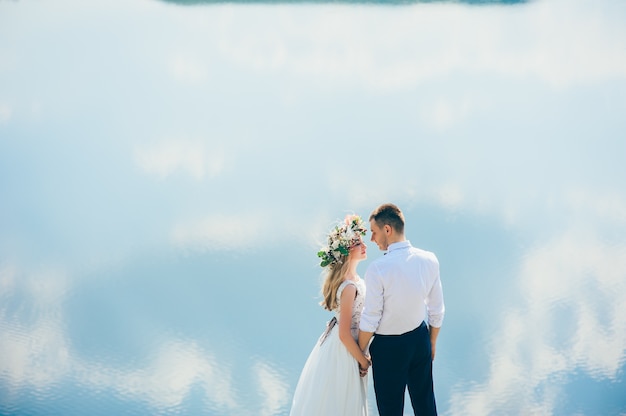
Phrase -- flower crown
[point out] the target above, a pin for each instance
(343, 237)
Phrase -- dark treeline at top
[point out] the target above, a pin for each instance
(373, 2)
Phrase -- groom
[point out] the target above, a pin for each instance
(403, 313)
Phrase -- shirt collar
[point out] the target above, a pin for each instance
(399, 245)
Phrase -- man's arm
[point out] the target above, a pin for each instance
(434, 333)
(364, 339)
(364, 342)
(372, 309)
(436, 308)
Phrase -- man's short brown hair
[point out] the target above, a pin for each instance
(389, 214)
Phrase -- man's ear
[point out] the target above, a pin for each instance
(388, 229)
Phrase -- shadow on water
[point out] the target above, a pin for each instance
(349, 2)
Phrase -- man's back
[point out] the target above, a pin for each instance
(403, 282)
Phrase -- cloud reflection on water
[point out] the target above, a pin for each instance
(190, 157)
(535, 347)
(514, 43)
(38, 354)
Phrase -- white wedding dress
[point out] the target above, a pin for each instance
(330, 383)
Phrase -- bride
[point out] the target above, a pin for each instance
(333, 379)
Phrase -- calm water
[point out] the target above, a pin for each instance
(167, 169)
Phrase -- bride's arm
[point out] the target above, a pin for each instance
(345, 320)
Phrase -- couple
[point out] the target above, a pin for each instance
(400, 314)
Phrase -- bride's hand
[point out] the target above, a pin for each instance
(364, 369)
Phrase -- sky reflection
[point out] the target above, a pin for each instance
(164, 186)
(572, 287)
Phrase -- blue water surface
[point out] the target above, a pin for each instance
(168, 171)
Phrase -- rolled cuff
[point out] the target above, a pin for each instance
(367, 325)
(435, 320)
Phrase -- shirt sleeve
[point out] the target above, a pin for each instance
(373, 306)
(434, 301)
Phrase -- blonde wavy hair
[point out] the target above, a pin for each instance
(334, 275)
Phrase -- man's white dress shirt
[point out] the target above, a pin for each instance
(403, 289)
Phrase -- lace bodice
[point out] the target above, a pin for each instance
(357, 307)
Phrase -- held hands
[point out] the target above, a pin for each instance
(364, 367)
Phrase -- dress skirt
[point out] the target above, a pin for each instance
(330, 383)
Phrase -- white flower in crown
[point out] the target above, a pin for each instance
(349, 234)
(341, 238)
